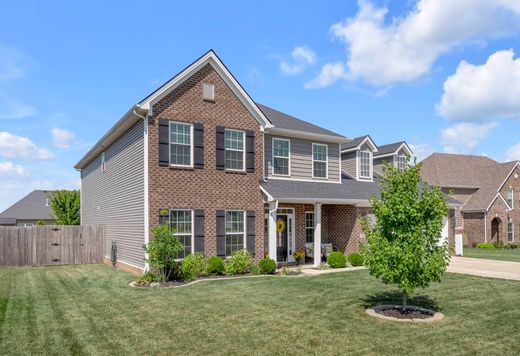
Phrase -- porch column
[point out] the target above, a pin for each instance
(273, 206)
(317, 235)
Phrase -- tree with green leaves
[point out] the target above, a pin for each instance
(65, 207)
(403, 246)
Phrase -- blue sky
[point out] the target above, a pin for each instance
(444, 76)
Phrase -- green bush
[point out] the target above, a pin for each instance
(215, 266)
(193, 266)
(162, 251)
(499, 244)
(337, 260)
(267, 266)
(355, 259)
(485, 245)
(239, 263)
(145, 279)
(255, 270)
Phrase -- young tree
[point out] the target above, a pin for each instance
(65, 207)
(403, 246)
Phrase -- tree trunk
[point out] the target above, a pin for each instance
(405, 300)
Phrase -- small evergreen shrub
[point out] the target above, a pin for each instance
(193, 266)
(215, 266)
(239, 263)
(337, 260)
(499, 244)
(267, 266)
(145, 279)
(355, 259)
(255, 270)
(485, 245)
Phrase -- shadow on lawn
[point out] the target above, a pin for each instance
(396, 298)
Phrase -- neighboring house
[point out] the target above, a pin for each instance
(225, 169)
(488, 192)
(28, 210)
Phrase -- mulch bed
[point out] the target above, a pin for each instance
(410, 312)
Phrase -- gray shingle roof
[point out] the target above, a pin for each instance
(389, 148)
(354, 143)
(31, 207)
(284, 121)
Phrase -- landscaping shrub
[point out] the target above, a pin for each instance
(239, 263)
(485, 245)
(337, 260)
(193, 266)
(355, 259)
(255, 270)
(215, 266)
(499, 244)
(267, 266)
(145, 279)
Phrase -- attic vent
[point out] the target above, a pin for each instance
(208, 91)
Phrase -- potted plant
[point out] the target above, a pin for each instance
(299, 256)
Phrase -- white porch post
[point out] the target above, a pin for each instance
(317, 235)
(273, 206)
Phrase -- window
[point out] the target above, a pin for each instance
(208, 91)
(319, 160)
(25, 225)
(281, 151)
(309, 226)
(181, 143)
(234, 147)
(181, 222)
(103, 162)
(364, 164)
(510, 197)
(400, 162)
(235, 231)
(510, 232)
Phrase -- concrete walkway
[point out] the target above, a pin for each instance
(485, 268)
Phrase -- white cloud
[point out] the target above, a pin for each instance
(9, 169)
(513, 153)
(62, 138)
(421, 150)
(383, 53)
(330, 73)
(301, 58)
(13, 146)
(464, 137)
(480, 92)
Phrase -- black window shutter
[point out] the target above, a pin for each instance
(163, 219)
(199, 230)
(221, 164)
(250, 151)
(250, 226)
(221, 233)
(164, 142)
(198, 145)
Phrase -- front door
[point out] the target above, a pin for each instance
(285, 239)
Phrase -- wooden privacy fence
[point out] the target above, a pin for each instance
(51, 245)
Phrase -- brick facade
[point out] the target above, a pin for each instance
(208, 188)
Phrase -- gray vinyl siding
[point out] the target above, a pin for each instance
(115, 198)
(348, 163)
(379, 163)
(301, 159)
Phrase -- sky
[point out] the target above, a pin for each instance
(442, 75)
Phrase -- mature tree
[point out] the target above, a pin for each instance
(403, 245)
(65, 207)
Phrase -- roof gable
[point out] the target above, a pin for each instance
(357, 143)
(393, 149)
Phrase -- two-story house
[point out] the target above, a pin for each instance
(223, 170)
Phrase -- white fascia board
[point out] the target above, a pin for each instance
(368, 140)
(356, 202)
(306, 135)
(509, 175)
(403, 145)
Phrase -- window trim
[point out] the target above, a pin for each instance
(370, 165)
(397, 157)
(510, 223)
(191, 165)
(310, 228)
(512, 191)
(288, 156)
(192, 228)
(244, 212)
(326, 160)
(232, 149)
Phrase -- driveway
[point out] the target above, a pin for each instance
(485, 268)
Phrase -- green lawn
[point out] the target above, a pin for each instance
(91, 310)
(493, 254)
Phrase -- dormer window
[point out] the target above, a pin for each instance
(400, 162)
(365, 162)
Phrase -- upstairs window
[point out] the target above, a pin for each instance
(510, 197)
(365, 160)
(234, 147)
(181, 144)
(281, 158)
(319, 160)
(400, 163)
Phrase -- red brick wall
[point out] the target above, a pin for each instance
(208, 188)
(473, 232)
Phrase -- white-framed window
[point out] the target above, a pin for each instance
(309, 226)
(181, 144)
(281, 157)
(365, 161)
(25, 224)
(181, 222)
(235, 231)
(510, 232)
(208, 91)
(319, 160)
(103, 162)
(400, 162)
(510, 197)
(235, 152)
